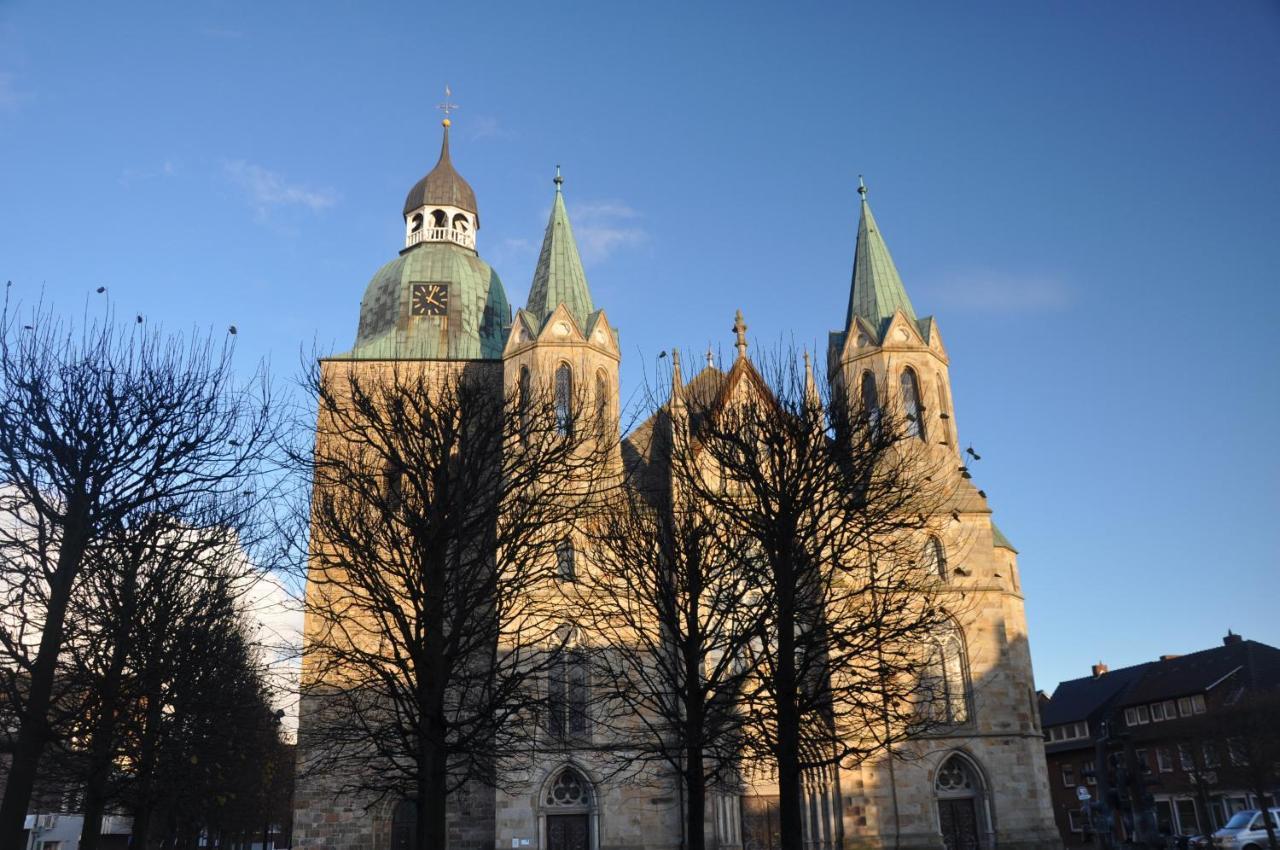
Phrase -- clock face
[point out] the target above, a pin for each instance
(430, 299)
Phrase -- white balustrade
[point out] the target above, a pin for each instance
(465, 238)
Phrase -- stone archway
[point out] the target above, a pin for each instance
(404, 824)
(568, 811)
(964, 815)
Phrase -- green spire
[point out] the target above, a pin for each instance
(877, 291)
(559, 278)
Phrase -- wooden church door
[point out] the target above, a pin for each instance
(567, 832)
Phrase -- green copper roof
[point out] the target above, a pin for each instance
(877, 291)
(474, 326)
(559, 278)
(999, 540)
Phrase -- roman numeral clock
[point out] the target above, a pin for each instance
(429, 299)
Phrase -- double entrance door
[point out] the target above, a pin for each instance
(567, 832)
(959, 821)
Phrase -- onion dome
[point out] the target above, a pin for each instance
(443, 186)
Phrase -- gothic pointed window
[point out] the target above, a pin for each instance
(912, 409)
(524, 400)
(566, 567)
(568, 790)
(568, 688)
(945, 693)
(870, 400)
(944, 408)
(602, 405)
(564, 399)
(935, 558)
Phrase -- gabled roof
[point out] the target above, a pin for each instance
(1079, 699)
(559, 278)
(877, 291)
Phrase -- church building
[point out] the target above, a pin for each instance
(981, 783)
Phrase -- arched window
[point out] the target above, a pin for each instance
(935, 558)
(602, 404)
(566, 567)
(568, 689)
(945, 683)
(460, 222)
(416, 223)
(524, 400)
(439, 218)
(944, 408)
(912, 409)
(870, 400)
(564, 399)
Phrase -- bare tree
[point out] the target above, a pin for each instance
(669, 599)
(834, 503)
(1252, 742)
(98, 423)
(438, 504)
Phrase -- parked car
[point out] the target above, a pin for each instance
(1246, 830)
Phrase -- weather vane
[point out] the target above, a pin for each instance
(448, 106)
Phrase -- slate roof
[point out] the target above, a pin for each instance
(1079, 699)
(442, 185)
(559, 278)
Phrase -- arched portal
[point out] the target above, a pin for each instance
(570, 818)
(404, 825)
(964, 815)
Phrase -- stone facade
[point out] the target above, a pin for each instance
(985, 778)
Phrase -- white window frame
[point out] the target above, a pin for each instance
(1164, 760)
(1090, 773)
(1144, 716)
(1075, 820)
(1186, 757)
(1197, 704)
(1131, 717)
(1157, 712)
(1184, 706)
(1068, 775)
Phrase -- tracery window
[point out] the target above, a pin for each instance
(525, 401)
(568, 790)
(564, 399)
(912, 409)
(566, 566)
(945, 694)
(943, 407)
(567, 694)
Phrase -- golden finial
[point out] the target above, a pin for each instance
(447, 107)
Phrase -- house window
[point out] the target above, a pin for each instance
(1236, 752)
(1157, 711)
(1170, 709)
(1130, 717)
(1185, 757)
(1184, 706)
(1197, 704)
(1210, 751)
(1144, 763)
(566, 567)
(1188, 821)
(1144, 716)
(1090, 775)
(564, 404)
(912, 409)
(1068, 775)
(1164, 760)
(1075, 819)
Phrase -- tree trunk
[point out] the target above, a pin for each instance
(790, 783)
(34, 732)
(102, 754)
(695, 782)
(432, 788)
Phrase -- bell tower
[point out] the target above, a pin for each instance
(560, 339)
(886, 357)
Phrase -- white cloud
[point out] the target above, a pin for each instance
(604, 227)
(275, 616)
(266, 189)
(1001, 293)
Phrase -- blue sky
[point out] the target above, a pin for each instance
(1083, 194)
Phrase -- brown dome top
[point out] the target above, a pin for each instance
(443, 186)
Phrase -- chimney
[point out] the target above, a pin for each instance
(1231, 638)
(1169, 657)
(1099, 669)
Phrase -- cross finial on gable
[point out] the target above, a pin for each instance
(740, 331)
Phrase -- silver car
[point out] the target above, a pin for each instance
(1246, 831)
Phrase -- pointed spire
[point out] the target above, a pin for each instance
(877, 291)
(559, 278)
(740, 334)
(677, 377)
(443, 186)
(711, 360)
(811, 394)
